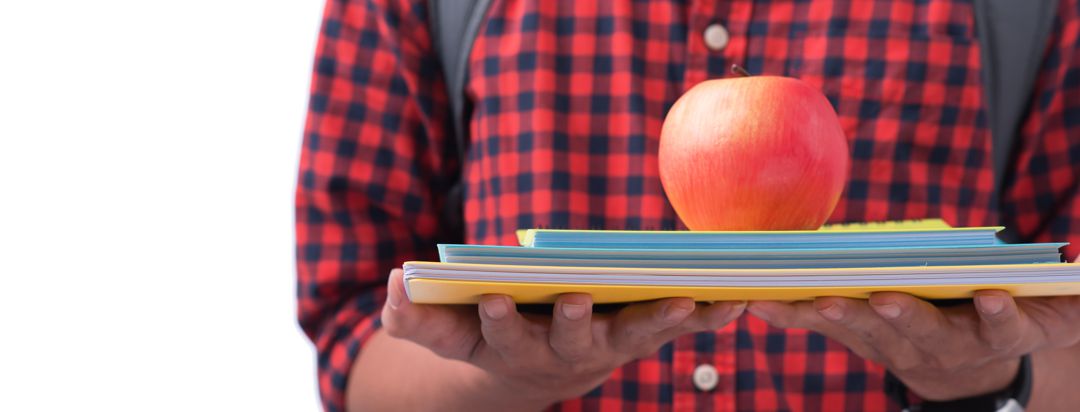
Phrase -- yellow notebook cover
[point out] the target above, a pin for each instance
(433, 291)
(1053, 279)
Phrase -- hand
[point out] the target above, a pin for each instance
(547, 358)
(939, 353)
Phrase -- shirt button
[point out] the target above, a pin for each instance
(705, 377)
(716, 37)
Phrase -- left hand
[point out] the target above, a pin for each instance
(939, 353)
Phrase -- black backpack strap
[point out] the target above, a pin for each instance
(1012, 35)
(454, 26)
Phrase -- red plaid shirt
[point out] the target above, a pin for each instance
(568, 98)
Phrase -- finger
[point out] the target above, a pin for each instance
(918, 321)
(791, 315)
(803, 315)
(635, 326)
(449, 331)
(862, 322)
(1050, 321)
(504, 329)
(718, 314)
(705, 317)
(571, 327)
(1000, 321)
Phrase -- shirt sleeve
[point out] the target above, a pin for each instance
(1042, 201)
(375, 168)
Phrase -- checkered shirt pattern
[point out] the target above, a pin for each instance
(568, 99)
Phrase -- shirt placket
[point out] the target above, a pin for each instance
(704, 364)
(716, 38)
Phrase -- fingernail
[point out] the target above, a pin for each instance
(738, 307)
(574, 311)
(393, 297)
(717, 320)
(888, 310)
(495, 308)
(832, 312)
(675, 313)
(990, 305)
(757, 312)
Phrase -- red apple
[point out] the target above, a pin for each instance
(753, 153)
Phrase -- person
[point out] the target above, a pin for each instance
(567, 100)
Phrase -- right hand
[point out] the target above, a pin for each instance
(545, 359)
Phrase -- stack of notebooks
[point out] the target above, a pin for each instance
(924, 258)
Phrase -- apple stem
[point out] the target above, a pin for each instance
(740, 71)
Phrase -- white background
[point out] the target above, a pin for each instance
(148, 155)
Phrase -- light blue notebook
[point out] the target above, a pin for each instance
(816, 239)
(780, 258)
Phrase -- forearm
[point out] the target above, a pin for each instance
(1056, 373)
(392, 374)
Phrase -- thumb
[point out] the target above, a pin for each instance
(450, 331)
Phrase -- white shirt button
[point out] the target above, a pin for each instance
(705, 377)
(716, 37)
